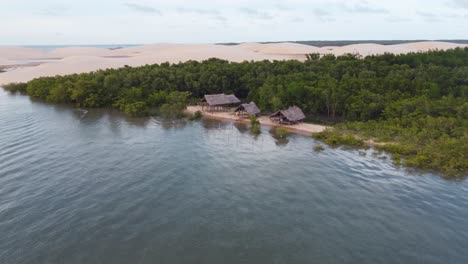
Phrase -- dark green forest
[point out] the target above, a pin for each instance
(417, 102)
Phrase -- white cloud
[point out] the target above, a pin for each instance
(150, 21)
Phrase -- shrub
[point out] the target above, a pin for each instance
(253, 120)
(197, 115)
(336, 138)
(319, 148)
(281, 133)
(171, 111)
(16, 87)
(255, 125)
(136, 109)
(256, 128)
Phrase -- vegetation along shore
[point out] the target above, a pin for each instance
(416, 103)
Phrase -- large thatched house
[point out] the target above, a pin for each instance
(216, 102)
(292, 115)
(247, 110)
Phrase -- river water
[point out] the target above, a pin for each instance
(97, 187)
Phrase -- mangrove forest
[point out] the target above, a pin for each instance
(413, 106)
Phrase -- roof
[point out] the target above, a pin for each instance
(293, 114)
(221, 99)
(251, 108)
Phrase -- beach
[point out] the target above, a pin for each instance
(300, 128)
(25, 64)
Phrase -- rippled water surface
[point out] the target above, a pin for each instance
(97, 187)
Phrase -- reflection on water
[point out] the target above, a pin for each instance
(105, 188)
(171, 123)
(214, 124)
(241, 127)
(279, 141)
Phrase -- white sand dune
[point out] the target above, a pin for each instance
(20, 53)
(431, 45)
(87, 59)
(6, 62)
(84, 51)
(281, 48)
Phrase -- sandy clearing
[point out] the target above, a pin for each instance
(302, 128)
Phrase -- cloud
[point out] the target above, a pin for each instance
(459, 3)
(364, 7)
(212, 13)
(199, 11)
(323, 15)
(283, 7)
(429, 17)
(57, 10)
(395, 19)
(142, 8)
(220, 18)
(297, 19)
(255, 14)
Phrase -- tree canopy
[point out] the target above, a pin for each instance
(419, 94)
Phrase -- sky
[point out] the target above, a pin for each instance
(68, 22)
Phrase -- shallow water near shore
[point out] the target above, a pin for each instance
(98, 187)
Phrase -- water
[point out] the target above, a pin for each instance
(97, 187)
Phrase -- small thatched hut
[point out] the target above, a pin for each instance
(247, 110)
(292, 115)
(216, 102)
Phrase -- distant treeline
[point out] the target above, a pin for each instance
(418, 100)
(339, 43)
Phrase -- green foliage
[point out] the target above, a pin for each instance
(255, 125)
(281, 132)
(253, 120)
(432, 143)
(135, 109)
(176, 102)
(319, 148)
(256, 128)
(337, 138)
(197, 115)
(418, 101)
(16, 87)
(170, 111)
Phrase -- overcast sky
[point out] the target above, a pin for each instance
(29, 22)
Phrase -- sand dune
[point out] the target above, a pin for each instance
(6, 62)
(19, 53)
(86, 59)
(280, 48)
(85, 51)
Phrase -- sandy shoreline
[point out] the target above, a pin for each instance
(301, 128)
(72, 60)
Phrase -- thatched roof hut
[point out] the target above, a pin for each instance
(250, 109)
(291, 115)
(221, 100)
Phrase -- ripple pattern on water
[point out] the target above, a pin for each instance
(104, 188)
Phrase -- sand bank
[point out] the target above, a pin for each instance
(86, 59)
(301, 128)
